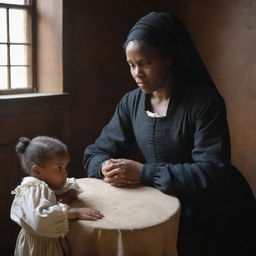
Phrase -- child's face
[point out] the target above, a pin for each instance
(55, 173)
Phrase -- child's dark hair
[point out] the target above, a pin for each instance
(39, 151)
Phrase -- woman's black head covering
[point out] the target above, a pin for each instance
(165, 32)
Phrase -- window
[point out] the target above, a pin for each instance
(15, 46)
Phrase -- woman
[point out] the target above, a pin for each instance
(178, 120)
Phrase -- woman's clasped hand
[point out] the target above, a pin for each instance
(121, 172)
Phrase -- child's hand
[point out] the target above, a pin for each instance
(68, 197)
(89, 214)
(84, 214)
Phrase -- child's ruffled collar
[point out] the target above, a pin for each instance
(27, 182)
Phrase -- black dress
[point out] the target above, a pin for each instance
(187, 154)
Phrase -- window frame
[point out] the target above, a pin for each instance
(30, 7)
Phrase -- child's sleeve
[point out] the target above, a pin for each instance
(71, 184)
(36, 210)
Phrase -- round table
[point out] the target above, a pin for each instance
(138, 221)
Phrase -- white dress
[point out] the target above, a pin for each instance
(43, 220)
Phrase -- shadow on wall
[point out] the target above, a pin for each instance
(224, 32)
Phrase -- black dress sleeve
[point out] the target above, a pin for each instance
(115, 141)
(204, 177)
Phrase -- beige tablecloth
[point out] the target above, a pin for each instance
(138, 221)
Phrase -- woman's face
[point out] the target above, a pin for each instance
(150, 70)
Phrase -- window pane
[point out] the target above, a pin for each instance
(3, 54)
(3, 78)
(19, 54)
(3, 25)
(13, 1)
(19, 77)
(18, 26)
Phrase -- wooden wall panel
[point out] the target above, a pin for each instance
(10, 174)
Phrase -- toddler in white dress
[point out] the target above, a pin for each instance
(41, 203)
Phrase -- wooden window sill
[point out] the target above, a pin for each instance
(33, 102)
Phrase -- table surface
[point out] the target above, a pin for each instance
(136, 208)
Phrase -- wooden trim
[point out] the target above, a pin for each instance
(16, 91)
(20, 6)
(33, 102)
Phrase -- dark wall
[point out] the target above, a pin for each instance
(224, 32)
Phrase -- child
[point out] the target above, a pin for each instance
(41, 203)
